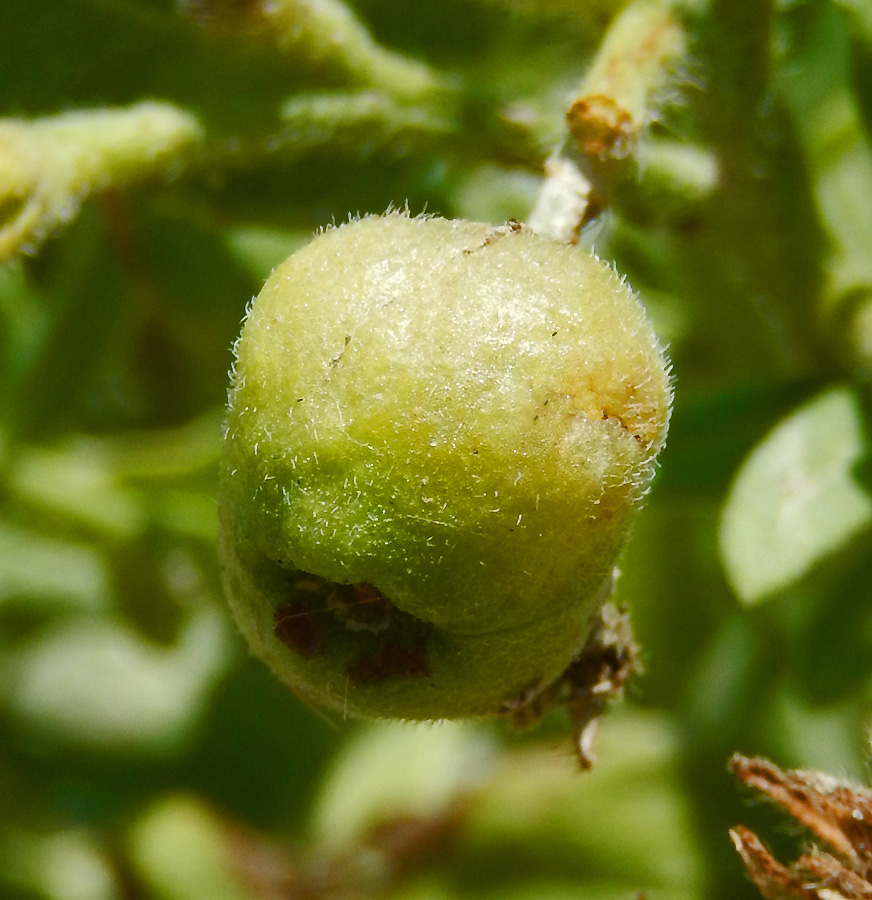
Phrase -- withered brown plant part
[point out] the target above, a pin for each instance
(598, 676)
(838, 815)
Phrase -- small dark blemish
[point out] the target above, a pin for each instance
(362, 607)
(334, 360)
(296, 628)
(688, 227)
(391, 660)
(512, 226)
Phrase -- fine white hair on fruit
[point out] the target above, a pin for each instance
(437, 434)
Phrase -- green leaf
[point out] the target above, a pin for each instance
(76, 481)
(795, 501)
(259, 249)
(96, 684)
(182, 851)
(49, 575)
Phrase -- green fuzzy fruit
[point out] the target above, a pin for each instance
(437, 432)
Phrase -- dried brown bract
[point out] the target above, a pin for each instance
(838, 815)
(598, 675)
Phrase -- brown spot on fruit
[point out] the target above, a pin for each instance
(391, 660)
(361, 607)
(295, 626)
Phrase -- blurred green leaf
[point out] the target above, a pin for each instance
(179, 848)
(625, 824)
(260, 249)
(528, 826)
(98, 684)
(61, 865)
(77, 482)
(796, 500)
(395, 769)
(50, 574)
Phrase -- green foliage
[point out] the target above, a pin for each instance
(796, 500)
(156, 160)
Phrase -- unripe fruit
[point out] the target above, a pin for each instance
(436, 434)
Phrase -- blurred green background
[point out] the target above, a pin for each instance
(143, 753)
